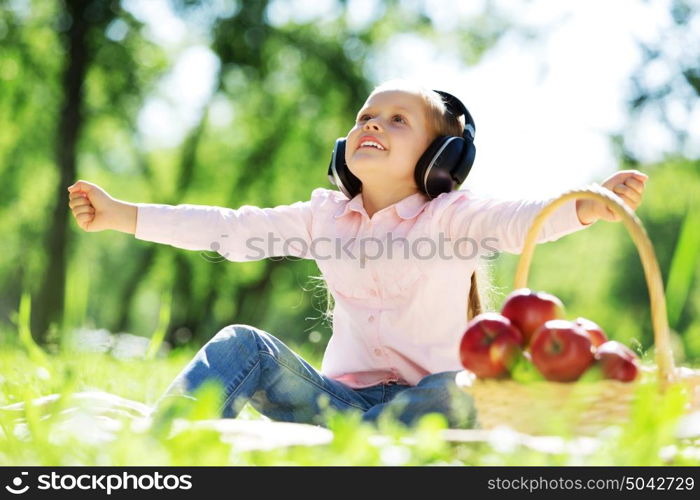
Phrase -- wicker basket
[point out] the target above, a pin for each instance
(584, 407)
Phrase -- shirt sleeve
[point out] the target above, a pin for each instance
(239, 235)
(502, 225)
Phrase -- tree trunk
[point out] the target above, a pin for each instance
(47, 308)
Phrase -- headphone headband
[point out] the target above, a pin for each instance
(457, 109)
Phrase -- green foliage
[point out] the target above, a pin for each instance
(159, 334)
(524, 370)
(25, 335)
(683, 265)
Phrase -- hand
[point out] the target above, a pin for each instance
(627, 184)
(92, 207)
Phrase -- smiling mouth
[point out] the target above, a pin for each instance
(370, 147)
(370, 142)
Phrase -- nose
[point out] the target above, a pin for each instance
(372, 124)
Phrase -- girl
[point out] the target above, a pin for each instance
(399, 310)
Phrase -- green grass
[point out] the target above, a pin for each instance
(648, 439)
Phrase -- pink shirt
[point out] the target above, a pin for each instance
(400, 294)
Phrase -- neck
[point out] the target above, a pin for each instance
(376, 199)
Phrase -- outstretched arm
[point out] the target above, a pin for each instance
(245, 234)
(502, 224)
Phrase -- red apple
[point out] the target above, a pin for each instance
(595, 332)
(561, 350)
(528, 310)
(617, 361)
(490, 345)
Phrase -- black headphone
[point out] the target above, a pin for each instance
(441, 168)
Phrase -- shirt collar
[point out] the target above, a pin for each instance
(407, 208)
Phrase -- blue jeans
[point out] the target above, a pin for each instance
(255, 367)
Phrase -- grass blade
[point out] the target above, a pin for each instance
(683, 263)
(163, 320)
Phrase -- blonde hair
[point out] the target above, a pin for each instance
(440, 123)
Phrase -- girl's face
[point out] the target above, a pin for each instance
(397, 120)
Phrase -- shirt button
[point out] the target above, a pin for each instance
(378, 352)
(373, 293)
(371, 318)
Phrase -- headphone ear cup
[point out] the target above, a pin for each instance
(439, 169)
(425, 161)
(465, 163)
(338, 172)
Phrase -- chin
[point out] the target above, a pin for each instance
(357, 167)
(366, 162)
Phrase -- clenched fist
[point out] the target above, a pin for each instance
(627, 184)
(95, 210)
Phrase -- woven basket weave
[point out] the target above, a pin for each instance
(582, 408)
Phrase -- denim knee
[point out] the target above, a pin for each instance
(231, 344)
(459, 406)
(439, 393)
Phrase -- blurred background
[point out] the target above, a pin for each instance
(239, 103)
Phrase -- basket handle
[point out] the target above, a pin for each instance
(664, 355)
